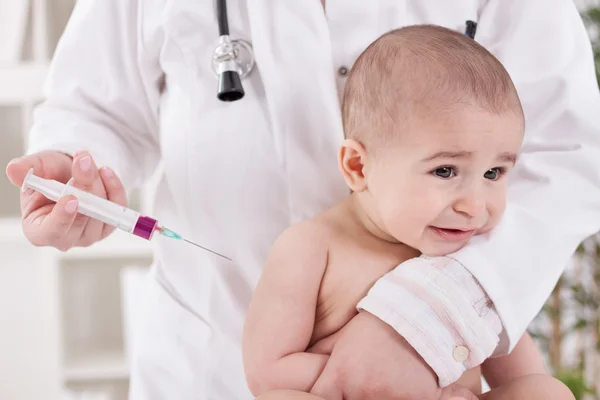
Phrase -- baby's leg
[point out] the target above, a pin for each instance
(287, 395)
(530, 387)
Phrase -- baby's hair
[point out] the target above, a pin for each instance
(420, 70)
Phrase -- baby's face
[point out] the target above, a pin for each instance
(446, 179)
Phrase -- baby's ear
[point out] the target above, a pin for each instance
(352, 157)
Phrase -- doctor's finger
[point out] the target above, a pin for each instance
(47, 164)
(85, 174)
(32, 201)
(115, 192)
(86, 177)
(50, 224)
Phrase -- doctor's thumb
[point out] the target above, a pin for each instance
(47, 164)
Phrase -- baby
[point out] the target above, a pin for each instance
(433, 126)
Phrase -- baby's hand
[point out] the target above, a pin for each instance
(455, 392)
(370, 360)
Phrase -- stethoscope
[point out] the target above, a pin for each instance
(232, 60)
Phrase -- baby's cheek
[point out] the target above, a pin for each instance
(495, 210)
(485, 229)
(407, 225)
(491, 223)
(407, 214)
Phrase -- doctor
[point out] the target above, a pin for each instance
(132, 84)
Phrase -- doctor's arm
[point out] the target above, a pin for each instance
(102, 90)
(101, 107)
(457, 311)
(280, 319)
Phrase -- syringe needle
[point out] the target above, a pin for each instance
(204, 248)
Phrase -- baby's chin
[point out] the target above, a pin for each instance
(441, 249)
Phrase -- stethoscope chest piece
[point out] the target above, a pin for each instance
(232, 61)
(233, 55)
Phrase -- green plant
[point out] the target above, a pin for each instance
(591, 17)
(575, 381)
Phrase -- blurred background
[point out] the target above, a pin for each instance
(65, 318)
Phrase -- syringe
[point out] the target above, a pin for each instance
(103, 210)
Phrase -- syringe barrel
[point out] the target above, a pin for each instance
(94, 206)
(103, 210)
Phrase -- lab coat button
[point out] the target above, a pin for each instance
(460, 354)
(343, 71)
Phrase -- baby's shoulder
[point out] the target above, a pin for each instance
(298, 246)
(312, 233)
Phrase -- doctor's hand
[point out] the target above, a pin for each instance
(46, 223)
(370, 360)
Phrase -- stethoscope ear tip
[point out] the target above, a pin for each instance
(230, 86)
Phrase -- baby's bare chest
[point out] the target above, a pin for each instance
(349, 275)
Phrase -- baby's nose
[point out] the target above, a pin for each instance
(471, 205)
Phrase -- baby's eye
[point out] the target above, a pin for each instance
(493, 174)
(444, 172)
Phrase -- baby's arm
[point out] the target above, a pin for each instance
(281, 315)
(524, 360)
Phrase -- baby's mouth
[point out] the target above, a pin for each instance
(452, 234)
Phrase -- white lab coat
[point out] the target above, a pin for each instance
(131, 82)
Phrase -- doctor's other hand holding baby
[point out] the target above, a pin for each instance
(46, 223)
